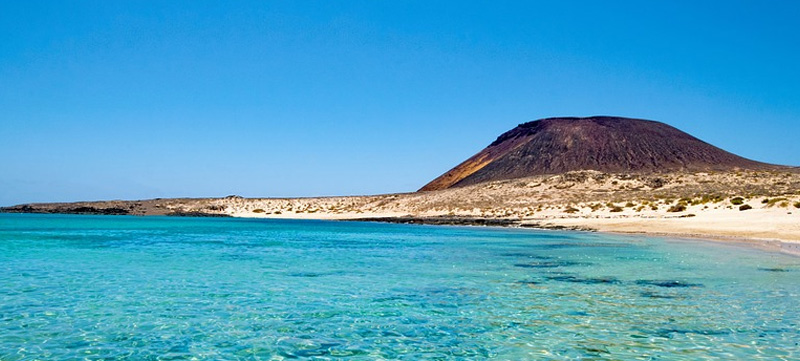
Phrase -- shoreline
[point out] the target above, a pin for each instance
(769, 245)
(761, 209)
(775, 245)
(765, 244)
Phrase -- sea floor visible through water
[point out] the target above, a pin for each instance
(162, 288)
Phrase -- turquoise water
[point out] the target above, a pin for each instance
(157, 288)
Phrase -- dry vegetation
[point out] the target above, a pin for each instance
(580, 194)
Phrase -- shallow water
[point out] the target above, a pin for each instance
(158, 288)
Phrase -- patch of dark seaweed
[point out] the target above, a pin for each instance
(773, 269)
(553, 245)
(391, 299)
(595, 350)
(562, 245)
(551, 264)
(671, 332)
(525, 255)
(586, 281)
(240, 257)
(668, 283)
(658, 296)
(436, 296)
(639, 258)
(307, 274)
(305, 353)
(578, 313)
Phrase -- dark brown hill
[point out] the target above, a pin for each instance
(606, 144)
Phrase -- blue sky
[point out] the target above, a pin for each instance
(139, 99)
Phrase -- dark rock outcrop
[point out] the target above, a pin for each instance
(26, 208)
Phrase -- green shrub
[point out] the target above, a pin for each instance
(773, 201)
(258, 210)
(745, 207)
(797, 205)
(706, 198)
(629, 204)
(737, 201)
(571, 210)
(677, 208)
(616, 209)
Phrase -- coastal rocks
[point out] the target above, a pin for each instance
(92, 210)
(66, 210)
(196, 214)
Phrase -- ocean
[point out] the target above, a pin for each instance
(160, 288)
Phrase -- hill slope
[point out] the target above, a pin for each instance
(606, 144)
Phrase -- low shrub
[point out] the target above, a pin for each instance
(677, 208)
(745, 207)
(737, 201)
(258, 210)
(772, 202)
(615, 209)
(571, 210)
(797, 205)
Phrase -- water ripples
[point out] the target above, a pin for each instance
(114, 288)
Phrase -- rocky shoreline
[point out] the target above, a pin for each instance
(469, 221)
(105, 211)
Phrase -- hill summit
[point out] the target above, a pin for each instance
(602, 143)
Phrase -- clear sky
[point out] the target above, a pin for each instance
(143, 99)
